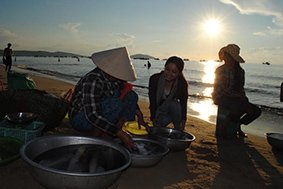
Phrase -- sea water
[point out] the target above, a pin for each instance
(262, 84)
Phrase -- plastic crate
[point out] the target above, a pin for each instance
(30, 131)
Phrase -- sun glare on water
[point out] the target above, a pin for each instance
(212, 27)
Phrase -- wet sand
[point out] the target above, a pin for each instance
(208, 163)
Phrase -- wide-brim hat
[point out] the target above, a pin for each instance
(233, 50)
(115, 62)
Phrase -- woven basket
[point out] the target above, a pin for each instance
(50, 109)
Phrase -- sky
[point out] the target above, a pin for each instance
(194, 29)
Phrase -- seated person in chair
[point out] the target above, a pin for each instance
(229, 89)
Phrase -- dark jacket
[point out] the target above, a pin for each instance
(181, 95)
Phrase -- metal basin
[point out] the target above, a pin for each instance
(75, 162)
(275, 140)
(147, 152)
(175, 140)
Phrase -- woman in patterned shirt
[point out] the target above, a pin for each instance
(103, 100)
(229, 89)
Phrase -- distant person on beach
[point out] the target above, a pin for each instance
(7, 57)
(103, 100)
(168, 95)
(148, 64)
(281, 93)
(229, 89)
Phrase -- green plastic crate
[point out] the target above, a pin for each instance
(30, 131)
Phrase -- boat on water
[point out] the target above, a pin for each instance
(266, 63)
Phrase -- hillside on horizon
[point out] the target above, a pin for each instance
(66, 54)
(142, 56)
(44, 53)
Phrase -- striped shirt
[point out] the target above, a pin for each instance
(88, 95)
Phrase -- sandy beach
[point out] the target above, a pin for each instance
(208, 163)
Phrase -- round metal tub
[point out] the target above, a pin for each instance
(147, 152)
(175, 140)
(51, 161)
(275, 140)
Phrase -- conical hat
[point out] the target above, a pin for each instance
(115, 62)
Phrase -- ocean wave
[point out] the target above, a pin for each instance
(266, 77)
(262, 91)
(199, 84)
(64, 64)
(53, 73)
(194, 71)
(263, 85)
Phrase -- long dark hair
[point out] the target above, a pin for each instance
(179, 64)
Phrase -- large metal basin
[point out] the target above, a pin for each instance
(116, 160)
(275, 140)
(147, 152)
(174, 139)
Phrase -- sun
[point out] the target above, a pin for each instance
(212, 27)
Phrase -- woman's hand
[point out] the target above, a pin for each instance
(126, 139)
(121, 123)
(141, 120)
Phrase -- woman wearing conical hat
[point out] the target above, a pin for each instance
(229, 89)
(103, 100)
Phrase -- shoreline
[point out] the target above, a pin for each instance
(209, 162)
(264, 124)
(70, 79)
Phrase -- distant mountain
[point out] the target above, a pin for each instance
(142, 57)
(43, 54)
(66, 54)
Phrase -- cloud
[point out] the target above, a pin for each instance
(71, 27)
(259, 33)
(264, 8)
(75, 34)
(123, 39)
(156, 41)
(6, 35)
